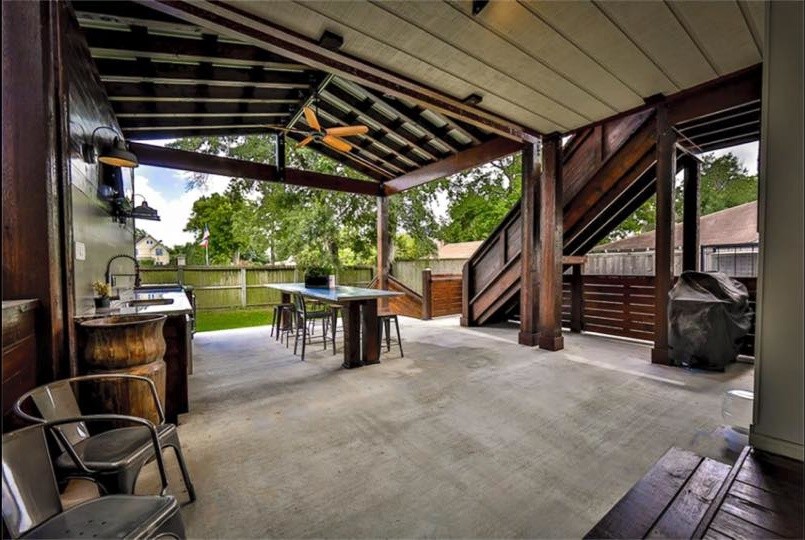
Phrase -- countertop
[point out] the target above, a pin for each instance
(180, 306)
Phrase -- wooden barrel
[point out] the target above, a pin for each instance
(124, 344)
(126, 397)
(123, 341)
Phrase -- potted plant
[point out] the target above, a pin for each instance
(103, 292)
(318, 276)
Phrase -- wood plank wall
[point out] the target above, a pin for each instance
(624, 306)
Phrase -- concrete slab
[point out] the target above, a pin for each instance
(468, 435)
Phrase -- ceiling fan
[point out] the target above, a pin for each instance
(328, 136)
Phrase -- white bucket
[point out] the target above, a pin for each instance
(736, 409)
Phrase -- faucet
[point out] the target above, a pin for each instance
(136, 269)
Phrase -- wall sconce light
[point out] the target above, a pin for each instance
(117, 154)
(144, 211)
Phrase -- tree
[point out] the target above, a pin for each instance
(724, 183)
(312, 226)
(479, 199)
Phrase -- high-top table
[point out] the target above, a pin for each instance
(359, 311)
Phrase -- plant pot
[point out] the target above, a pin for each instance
(101, 301)
(123, 341)
(317, 281)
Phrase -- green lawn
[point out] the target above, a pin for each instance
(234, 318)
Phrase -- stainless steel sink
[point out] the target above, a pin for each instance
(149, 302)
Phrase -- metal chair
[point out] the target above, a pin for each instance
(335, 310)
(385, 319)
(303, 318)
(115, 457)
(32, 507)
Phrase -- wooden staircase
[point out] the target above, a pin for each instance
(687, 496)
(608, 172)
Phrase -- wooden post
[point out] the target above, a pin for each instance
(427, 294)
(690, 216)
(529, 253)
(550, 259)
(243, 287)
(466, 295)
(279, 157)
(383, 248)
(664, 233)
(577, 300)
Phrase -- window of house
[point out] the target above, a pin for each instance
(159, 252)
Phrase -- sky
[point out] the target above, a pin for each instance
(165, 190)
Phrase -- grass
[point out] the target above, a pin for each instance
(232, 318)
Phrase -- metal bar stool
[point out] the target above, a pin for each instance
(277, 329)
(384, 320)
(303, 319)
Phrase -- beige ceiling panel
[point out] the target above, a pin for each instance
(658, 33)
(720, 30)
(312, 18)
(590, 30)
(521, 28)
(443, 59)
(754, 13)
(463, 32)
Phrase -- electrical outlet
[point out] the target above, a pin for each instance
(80, 251)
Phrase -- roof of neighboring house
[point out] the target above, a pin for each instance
(146, 236)
(731, 226)
(459, 250)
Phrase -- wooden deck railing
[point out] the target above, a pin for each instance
(441, 295)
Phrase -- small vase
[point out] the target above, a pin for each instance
(101, 302)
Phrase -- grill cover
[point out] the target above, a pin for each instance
(709, 314)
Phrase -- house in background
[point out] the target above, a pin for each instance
(728, 239)
(149, 248)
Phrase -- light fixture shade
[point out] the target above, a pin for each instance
(118, 155)
(145, 212)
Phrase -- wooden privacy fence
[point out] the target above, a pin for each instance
(221, 287)
(624, 306)
(441, 295)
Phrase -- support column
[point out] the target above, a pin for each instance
(383, 249)
(529, 253)
(279, 156)
(664, 234)
(551, 227)
(577, 299)
(690, 216)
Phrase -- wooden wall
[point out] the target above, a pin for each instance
(92, 225)
(34, 182)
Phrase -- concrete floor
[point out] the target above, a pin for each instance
(468, 435)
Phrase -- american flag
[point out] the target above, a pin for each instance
(205, 240)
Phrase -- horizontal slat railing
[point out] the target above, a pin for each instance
(624, 306)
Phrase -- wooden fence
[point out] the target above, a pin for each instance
(410, 272)
(221, 287)
(624, 306)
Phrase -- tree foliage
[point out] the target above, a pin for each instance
(314, 227)
(724, 183)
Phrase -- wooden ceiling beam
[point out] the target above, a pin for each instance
(170, 158)
(232, 21)
(185, 107)
(116, 44)
(188, 74)
(128, 91)
(466, 159)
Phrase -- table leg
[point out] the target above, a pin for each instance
(351, 315)
(371, 336)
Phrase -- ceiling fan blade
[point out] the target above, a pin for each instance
(347, 131)
(304, 142)
(310, 117)
(335, 142)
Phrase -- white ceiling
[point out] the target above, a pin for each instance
(549, 66)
